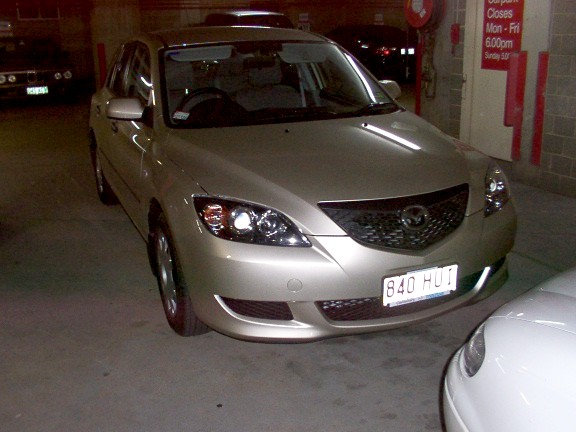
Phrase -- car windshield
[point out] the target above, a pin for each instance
(20, 53)
(248, 83)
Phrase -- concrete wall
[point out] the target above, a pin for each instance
(441, 97)
(557, 169)
(557, 172)
(317, 16)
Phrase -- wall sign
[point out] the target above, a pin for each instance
(502, 34)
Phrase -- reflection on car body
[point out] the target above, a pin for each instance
(248, 18)
(284, 195)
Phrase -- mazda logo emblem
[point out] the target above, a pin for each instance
(415, 217)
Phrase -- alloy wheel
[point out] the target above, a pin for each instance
(166, 274)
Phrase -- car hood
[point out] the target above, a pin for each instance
(552, 304)
(293, 166)
(32, 65)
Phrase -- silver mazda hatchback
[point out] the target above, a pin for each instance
(284, 194)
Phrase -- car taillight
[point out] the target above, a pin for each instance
(384, 51)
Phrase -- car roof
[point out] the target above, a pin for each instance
(248, 12)
(207, 35)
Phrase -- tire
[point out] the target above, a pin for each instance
(173, 291)
(105, 192)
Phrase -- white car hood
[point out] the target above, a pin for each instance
(552, 304)
(295, 165)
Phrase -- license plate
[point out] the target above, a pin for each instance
(37, 90)
(419, 285)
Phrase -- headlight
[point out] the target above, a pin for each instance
(67, 74)
(474, 351)
(497, 190)
(2, 79)
(12, 78)
(248, 223)
(57, 75)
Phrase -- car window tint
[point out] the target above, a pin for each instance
(112, 67)
(138, 81)
(220, 20)
(118, 74)
(261, 82)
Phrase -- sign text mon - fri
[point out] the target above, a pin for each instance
(502, 34)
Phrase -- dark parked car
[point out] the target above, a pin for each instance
(388, 52)
(32, 67)
(248, 18)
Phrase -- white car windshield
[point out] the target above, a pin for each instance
(248, 83)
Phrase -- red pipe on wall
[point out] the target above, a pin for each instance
(514, 104)
(543, 57)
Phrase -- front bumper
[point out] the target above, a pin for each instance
(36, 84)
(452, 419)
(296, 294)
(308, 320)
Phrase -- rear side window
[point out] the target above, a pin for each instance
(267, 21)
(130, 73)
(264, 20)
(138, 80)
(119, 69)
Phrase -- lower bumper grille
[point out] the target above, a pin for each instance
(260, 309)
(371, 308)
(358, 309)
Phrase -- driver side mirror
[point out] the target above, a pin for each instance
(125, 109)
(392, 88)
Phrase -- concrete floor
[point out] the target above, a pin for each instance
(84, 345)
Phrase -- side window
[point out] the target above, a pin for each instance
(117, 76)
(138, 80)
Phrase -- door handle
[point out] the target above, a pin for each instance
(114, 127)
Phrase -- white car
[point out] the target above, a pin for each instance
(517, 372)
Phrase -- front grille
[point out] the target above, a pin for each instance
(32, 77)
(260, 309)
(371, 308)
(378, 223)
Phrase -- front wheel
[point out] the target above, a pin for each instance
(173, 291)
(105, 192)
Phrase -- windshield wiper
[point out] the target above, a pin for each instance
(378, 108)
